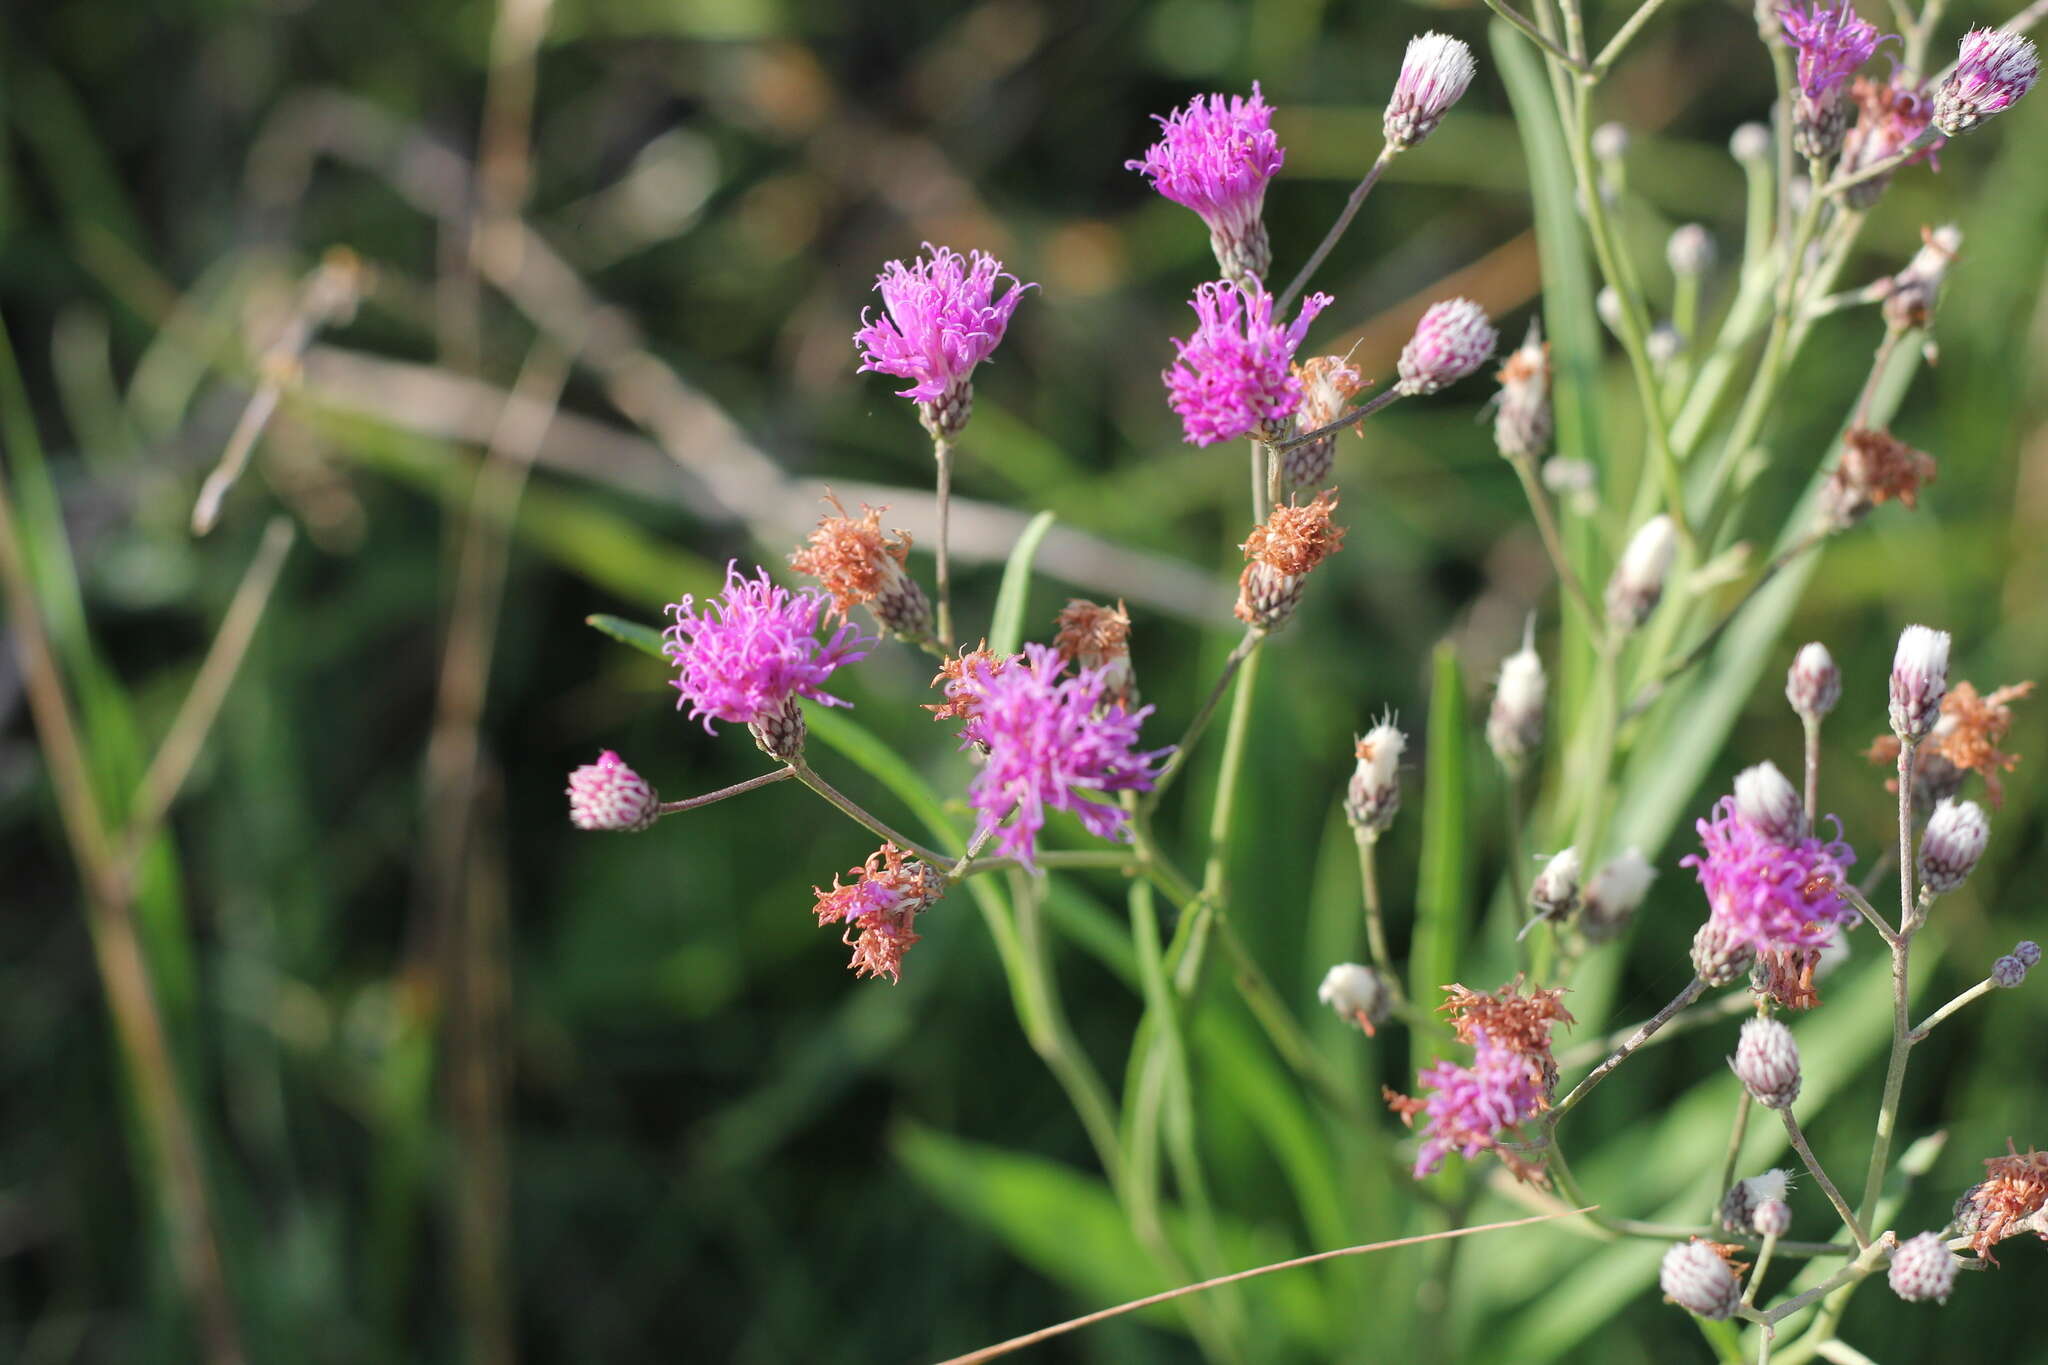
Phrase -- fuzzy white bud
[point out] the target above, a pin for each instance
(1614, 893)
(1951, 844)
(1555, 892)
(1766, 1061)
(1638, 582)
(1610, 142)
(1767, 802)
(1374, 793)
(1690, 251)
(1739, 1205)
(1750, 143)
(1699, 1281)
(1514, 726)
(1663, 345)
(1357, 994)
(1813, 684)
(1607, 303)
(1435, 72)
(1773, 1218)
(1919, 681)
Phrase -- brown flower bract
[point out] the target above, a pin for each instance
(1967, 735)
(1294, 539)
(846, 554)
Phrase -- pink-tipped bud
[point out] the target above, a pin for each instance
(609, 795)
(1744, 1197)
(1767, 802)
(1813, 684)
(1374, 792)
(1993, 70)
(1773, 1218)
(1638, 582)
(2008, 972)
(1919, 681)
(1767, 1063)
(1699, 1281)
(1951, 845)
(1555, 892)
(1690, 251)
(1613, 895)
(1514, 726)
(1453, 339)
(1434, 74)
(1923, 1268)
(1522, 423)
(1358, 994)
(1719, 954)
(2028, 952)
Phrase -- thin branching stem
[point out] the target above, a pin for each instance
(1336, 232)
(1351, 418)
(1926, 1026)
(724, 793)
(1535, 35)
(1820, 1176)
(1901, 945)
(1553, 544)
(1178, 759)
(942, 574)
(852, 809)
(1626, 1050)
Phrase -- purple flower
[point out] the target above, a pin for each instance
(1832, 40)
(1050, 741)
(1233, 376)
(1473, 1106)
(1216, 158)
(1769, 895)
(1892, 115)
(943, 319)
(745, 654)
(1993, 70)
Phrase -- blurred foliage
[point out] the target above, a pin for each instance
(710, 1141)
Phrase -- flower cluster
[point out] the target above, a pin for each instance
(879, 908)
(1215, 157)
(941, 319)
(1475, 1108)
(1765, 893)
(1052, 742)
(744, 656)
(1233, 375)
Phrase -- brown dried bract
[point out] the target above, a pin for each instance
(1327, 384)
(1520, 1023)
(1091, 635)
(1294, 539)
(2014, 1190)
(847, 554)
(880, 931)
(1786, 976)
(953, 674)
(1967, 736)
(1875, 467)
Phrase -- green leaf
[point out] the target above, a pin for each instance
(646, 639)
(1444, 881)
(1006, 631)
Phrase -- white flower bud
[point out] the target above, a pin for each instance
(1434, 74)
(1751, 142)
(1514, 727)
(1923, 1268)
(1610, 142)
(1663, 345)
(1951, 845)
(1638, 582)
(1767, 1063)
(1607, 304)
(1919, 681)
(1767, 802)
(1690, 251)
(1773, 1218)
(1555, 892)
(1739, 1205)
(1813, 684)
(1699, 1281)
(1357, 994)
(1374, 793)
(1614, 893)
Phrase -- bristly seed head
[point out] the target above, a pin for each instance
(1514, 725)
(1435, 72)
(1911, 294)
(855, 562)
(1374, 793)
(1280, 553)
(1327, 385)
(1452, 340)
(1358, 994)
(1994, 69)
(1638, 582)
(1739, 1205)
(1523, 423)
(1554, 894)
(608, 795)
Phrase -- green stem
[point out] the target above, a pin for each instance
(1535, 35)
(1820, 1176)
(1178, 759)
(853, 811)
(1621, 1054)
(1902, 1043)
(1553, 543)
(723, 793)
(942, 455)
(1330, 238)
(1737, 1131)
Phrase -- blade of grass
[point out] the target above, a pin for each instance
(1006, 628)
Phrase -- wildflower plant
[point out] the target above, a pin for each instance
(1061, 770)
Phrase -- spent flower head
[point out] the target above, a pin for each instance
(746, 654)
(1638, 582)
(1613, 895)
(1523, 424)
(1216, 157)
(1327, 385)
(941, 318)
(1514, 724)
(1094, 636)
(855, 561)
(1233, 375)
(879, 907)
(1280, 553)
(1358, 994)
(1374, 793)
(1472, 1108)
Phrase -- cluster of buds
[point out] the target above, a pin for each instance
(1358, 994)
(1279, 556)
(1523, 424)
(1327, 385)
(1754, 1205)
(860, 565)
(1514, 724)
(1098, 637)
(1638, 582)
(1766, 1061)
(2011, 969)
(608, 795)
(1374, 793)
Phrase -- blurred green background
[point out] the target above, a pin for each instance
(474, 1086)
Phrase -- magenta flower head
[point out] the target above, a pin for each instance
(1216, 157)
(609, 795)
(941, 319)
(1474, 1107)
(1051, 742)
(1767, 894)
(1434, 74)
(1993, 70)
(1831, 40)
(748, 654)
(1891, 117)
(1233, 377)
(1453, 339)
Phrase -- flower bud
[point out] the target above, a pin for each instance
(1699, 1281)
(1607, 303)
(1610, 142)
(1374, 793)
(1951, 845)
(2028, 952)
(1514, 725)
(1522, 423)
(1766, 1061)
(1750, 143)
(1767, 802)
(1690, 251)
(1719, 956)
(1434, 74)
(1555, 892)
(1663, 345)
(1452, 340)
(1773, 1218)
(1638, 582)
(609, 795)
(1820, 122)
(1923, 1268)
(1744, 1197)
(1919, 681)
(1357, 994)
(1813, 684)
(1993, 70)
(2008, 972)
(1614, 893)
(781, 735)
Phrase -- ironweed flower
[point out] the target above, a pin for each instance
(1094, 636)
(1994, 69)
(1919, 681)
(1695, 1277)
(1216, 157)
(1923, 1268)
(856, 563)
(1764, 893)
(940, 319)
(1473, 1107)
(1280, 553)
(1327, 384)
(1374, 793)
(879, 907)
(1831, 41)
(1232, 376)
(1435, 72)
(1891, 115)
(1358, 994)
(1452, 340)
(1052, 742)
(747, 654)
(609, 795)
